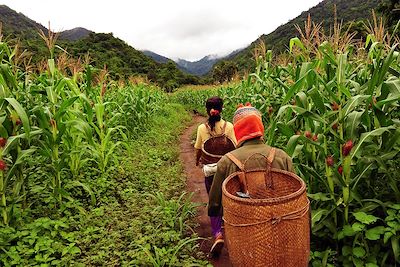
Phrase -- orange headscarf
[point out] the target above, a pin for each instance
(247, 123)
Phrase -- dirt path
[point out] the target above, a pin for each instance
(195, 183)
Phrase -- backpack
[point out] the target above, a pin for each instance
(216, 146)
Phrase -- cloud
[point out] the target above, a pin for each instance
(186, 29)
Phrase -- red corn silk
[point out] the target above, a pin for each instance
(330, 161)
(347, 147)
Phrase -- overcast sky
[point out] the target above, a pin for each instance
(185, 29)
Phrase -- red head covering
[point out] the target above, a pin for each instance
(247, 123)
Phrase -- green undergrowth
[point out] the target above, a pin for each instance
(142, 215)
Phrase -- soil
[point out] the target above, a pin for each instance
(195, 183)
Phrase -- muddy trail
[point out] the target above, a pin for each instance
(195, 183)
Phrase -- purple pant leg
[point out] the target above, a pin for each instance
(216, 221)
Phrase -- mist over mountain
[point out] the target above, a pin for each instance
(134, 62)
(199, 68)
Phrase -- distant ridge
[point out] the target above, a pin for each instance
(75, 34)
(156, 57)
(122, 60)
(278, 40)
(17, 22)
(199, 68)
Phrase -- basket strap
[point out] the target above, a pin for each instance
(223, 128)
(241, 174)
(268, 176)
(271, 155)
(210, 132)
(297, 214)
(235, 160)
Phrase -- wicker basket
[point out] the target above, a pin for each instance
(216, 146)
(272, 228)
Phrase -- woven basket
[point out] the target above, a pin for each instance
(272, 228)
(215, 147)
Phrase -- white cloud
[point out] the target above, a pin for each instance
(175, 28)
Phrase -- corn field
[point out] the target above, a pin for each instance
(66, 138)
(81, 155)
(333, 105)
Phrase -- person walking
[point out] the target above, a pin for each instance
(249, 132)
(214, 138)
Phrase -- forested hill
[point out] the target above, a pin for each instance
(124, 60)
(18, 23)
(75, 34)
(278, 40)
(121, 59)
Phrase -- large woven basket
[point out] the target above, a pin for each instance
(215, 147)
(272, 228)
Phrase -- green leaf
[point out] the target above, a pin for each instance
(393, 89)
(22, 115)
(346, 231)
(51, 65)
(285, 129)
(346, 250)
(75, 250)
(63, 108)
(395, 247)
(292, 143)
(301, 111)
(374, 233)
(317, 99)
(365, 218)
(387, 236)
(353, 103)
(296, 41)
(386, 64)
(358, 227)
(352, 123)
(359, 252)
(365, 136)
(319, 196)
(296, 87)
(395, 206)
(316, 215)
(13, 140)
(87, 189)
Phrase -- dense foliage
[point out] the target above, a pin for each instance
(83, 164)
(124, 61)
(333, 105)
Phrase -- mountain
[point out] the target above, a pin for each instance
(278, 40)
(200, 67)
(75, 34)
(156, 57)
(13, 22)
(204, 65)
(121, 59)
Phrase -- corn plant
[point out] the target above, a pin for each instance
(334, 107)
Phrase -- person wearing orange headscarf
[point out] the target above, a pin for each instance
(249, 132)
